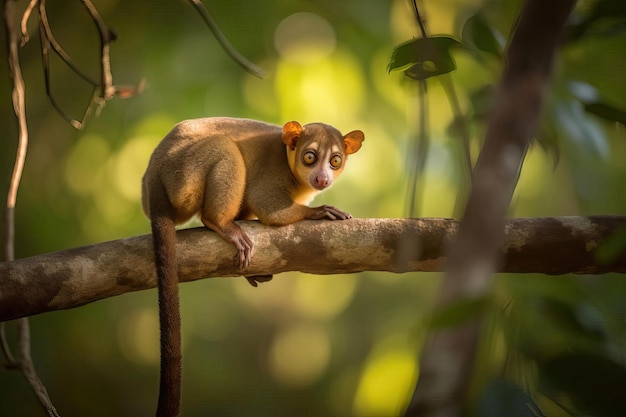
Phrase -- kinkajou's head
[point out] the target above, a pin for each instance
(317, 152)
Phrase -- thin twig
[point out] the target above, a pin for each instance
(25, 362)
(20, 113)
(420, 21)
(25, 17)
(459, 118)
(223, 41)
(56, 47)
(45, 47)
(460, 126)
(29, 371)
(106, 37)
(104, 90)
(419, 154)
(11, 363)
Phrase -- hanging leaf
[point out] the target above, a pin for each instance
(424, 57)
(605, 17)
(429, 69)
(607, 9)
(593, 104)
(582, 130)
(478, 33)
(606, 111)
(583, 91)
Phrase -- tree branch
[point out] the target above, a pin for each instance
(223, 41)
(74, 277)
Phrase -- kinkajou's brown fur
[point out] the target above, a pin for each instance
(225, 169)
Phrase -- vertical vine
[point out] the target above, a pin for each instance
(23, 361)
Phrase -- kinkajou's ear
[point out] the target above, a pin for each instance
(353, 140)
(291, 134)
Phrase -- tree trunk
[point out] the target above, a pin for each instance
(446, 365)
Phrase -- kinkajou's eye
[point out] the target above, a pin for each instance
(335, 161)
(309, 158)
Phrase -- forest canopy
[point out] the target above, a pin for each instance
(338, 344)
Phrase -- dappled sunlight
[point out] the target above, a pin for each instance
(542, 188)
(293, 296)
(389, 86)
(129, 164)
(110, 179)
(329, 90)
(304, 38)
(387, 378)
(299, 354)
(335, 345)
(314, 80)
(106, 209)
(86, 174)
(377, 165)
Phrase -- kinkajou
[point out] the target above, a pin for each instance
(224, 169)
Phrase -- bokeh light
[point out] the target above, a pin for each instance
(304, 38)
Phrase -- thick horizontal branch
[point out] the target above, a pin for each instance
(73, 277)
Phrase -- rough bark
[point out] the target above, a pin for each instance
(73, 277)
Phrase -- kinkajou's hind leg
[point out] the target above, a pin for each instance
(223, 194)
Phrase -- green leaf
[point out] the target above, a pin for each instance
(424, 57)
(607, 9)
(593, 383)
(583, 91)
(606, 111)
(483, 37)
(589, 95)
(582, 130)
(428, 69)
(604, 18)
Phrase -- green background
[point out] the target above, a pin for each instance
(300, 345)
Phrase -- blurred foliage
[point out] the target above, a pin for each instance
(303, 345)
